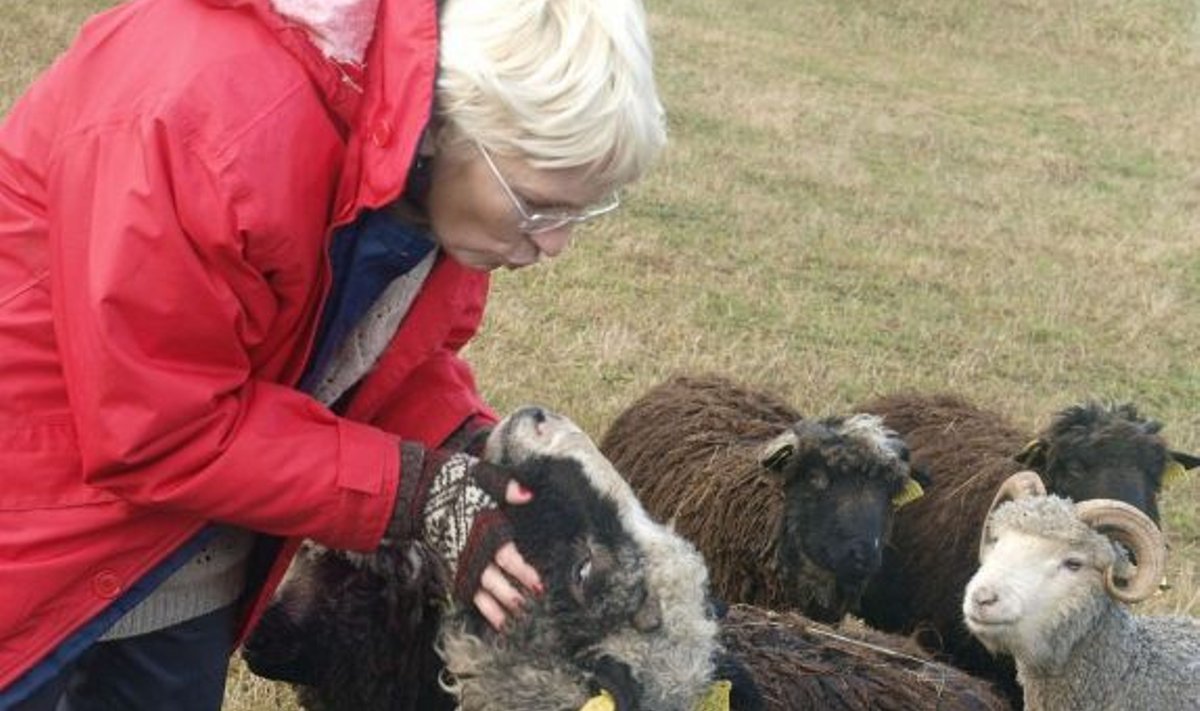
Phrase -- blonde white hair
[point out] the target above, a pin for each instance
(556, 83)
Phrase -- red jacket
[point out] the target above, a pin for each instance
(167, 191)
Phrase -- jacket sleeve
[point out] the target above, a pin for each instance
(437, 393)
(444, 387)
(163, 313)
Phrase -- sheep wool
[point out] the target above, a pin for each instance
(799, 664)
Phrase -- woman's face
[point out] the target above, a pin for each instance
(475, 220)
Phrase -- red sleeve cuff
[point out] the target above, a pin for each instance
(368, 476)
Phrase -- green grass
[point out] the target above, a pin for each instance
(1001, 199)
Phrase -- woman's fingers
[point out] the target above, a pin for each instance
(509, 560)
(490, 609)
(507, 557)
(515, 493)
(498, 595)
(496, 584)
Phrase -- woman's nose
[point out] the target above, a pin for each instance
(552, 242)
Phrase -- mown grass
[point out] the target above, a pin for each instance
(1001, 199)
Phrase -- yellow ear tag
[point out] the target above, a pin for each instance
(716, 698)
(1173, 472)
(911, 492)
(600, 702)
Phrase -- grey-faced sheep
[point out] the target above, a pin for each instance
(1052, 590)
(626, 597)
(625, 609)
(1088, 451)
(790, 513)
(796, 663)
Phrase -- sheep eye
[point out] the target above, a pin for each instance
(583, 571)
(1073, 564)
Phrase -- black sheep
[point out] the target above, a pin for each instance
(790, 513)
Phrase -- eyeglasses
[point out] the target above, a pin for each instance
(533, 223)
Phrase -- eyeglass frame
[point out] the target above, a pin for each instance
(529, 222)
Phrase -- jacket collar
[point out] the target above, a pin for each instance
(341, 29)
(340, 86)
(375, 62)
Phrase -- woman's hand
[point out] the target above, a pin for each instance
(498, 596)
(452, 502)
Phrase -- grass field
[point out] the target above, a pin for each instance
(1000, 199)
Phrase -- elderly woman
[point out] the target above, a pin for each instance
(241, 245)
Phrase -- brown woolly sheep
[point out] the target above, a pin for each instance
(789, 513)
(1087, 452)
(796, 663)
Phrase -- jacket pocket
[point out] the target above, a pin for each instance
(40, 468)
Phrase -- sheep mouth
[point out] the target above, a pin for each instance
(980, 623)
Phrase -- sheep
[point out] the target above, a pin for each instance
(656, 580)
(789, 513)
(1087, 451)
(795, 663)
(1052, 590)
(624, 612)
(356, 632)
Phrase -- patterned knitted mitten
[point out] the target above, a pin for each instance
(453, 506)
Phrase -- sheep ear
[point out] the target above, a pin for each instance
(910, 493)
(921, 474)
(1187, 461)
(778, 452)
(1033, 455)
(1177, 465)
(649, 616)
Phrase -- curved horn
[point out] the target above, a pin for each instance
(1018, 486)
(1133, 529)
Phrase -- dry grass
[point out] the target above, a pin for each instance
(997, 198)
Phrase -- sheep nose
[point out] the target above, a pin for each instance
(535, 414)
(984, 596)
(863, 556)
